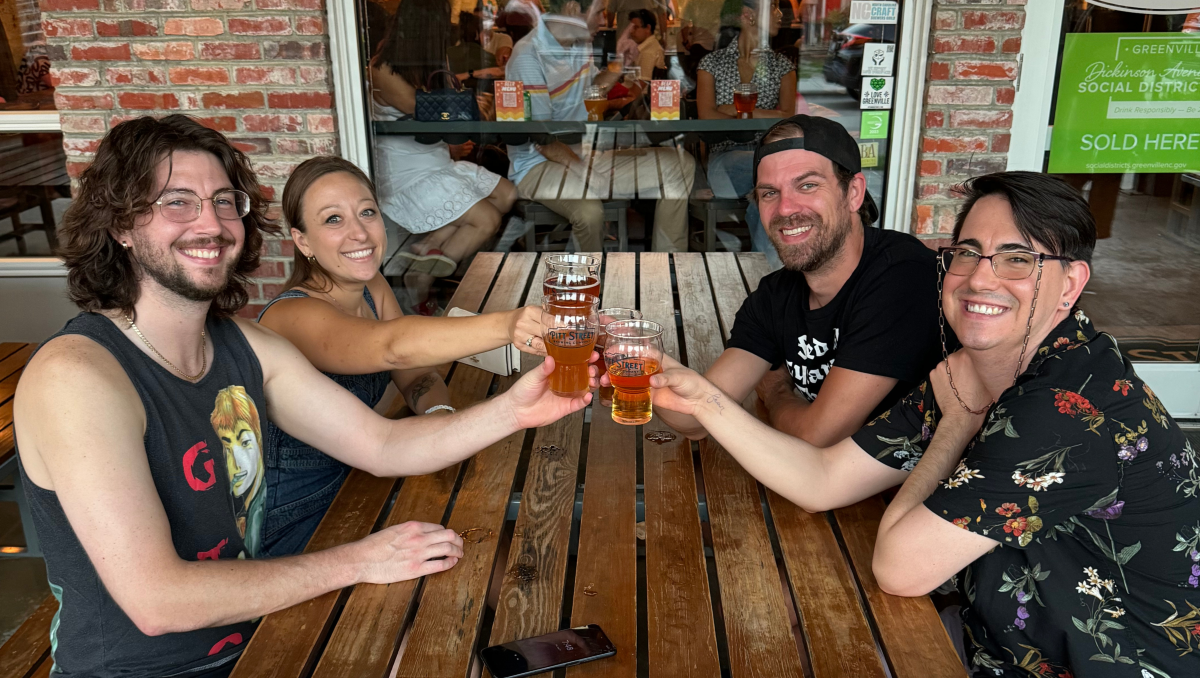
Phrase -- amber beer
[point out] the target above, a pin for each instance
(570, 321)
(596, 103)
(610, 315)
(633, 354)
(631, 389)
(572, 273)
(745, 98)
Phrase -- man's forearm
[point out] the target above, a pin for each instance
(684, 423)
(939, 461)
(204, 594)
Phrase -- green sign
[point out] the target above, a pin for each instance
(1128, 103)
(874, 125)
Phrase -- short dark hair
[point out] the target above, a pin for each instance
(645, 16)
(1046, 209)
(307, 273)
(791, 130)
(119, 186)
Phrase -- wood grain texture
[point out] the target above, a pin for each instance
(838, 638)
(7, 348)
(682, 637)
(16, 360)
(912, 634)
(754, 267)
(367, 633)
(446, 625)
(606, 567)
(287, 642)
(756, 618)
(29, 646)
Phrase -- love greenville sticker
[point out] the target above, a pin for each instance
(876, 93)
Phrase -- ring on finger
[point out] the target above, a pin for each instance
(529, 341)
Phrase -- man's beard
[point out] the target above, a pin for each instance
(823, 246)
(163, 269)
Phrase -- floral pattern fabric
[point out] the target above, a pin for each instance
(1090, 488)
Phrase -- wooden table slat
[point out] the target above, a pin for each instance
(912, 634)
(649, 185)
(551, 182)
(838, 637)
(16, 360)
(682, 637)
(754, 266)
(444, 630)
(383, 608)
(576, 181)
(29, 645)
(10, 347)
(759, 636)
(728, 285)
(600, 180)
(624, 172)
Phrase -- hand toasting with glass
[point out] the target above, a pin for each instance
(633, 353)
(610, 315)
(570, 322)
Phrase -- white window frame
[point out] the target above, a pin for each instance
(18, 122)
(909, 102)
(348, 75)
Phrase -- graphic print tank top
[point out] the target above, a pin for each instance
(204, 446)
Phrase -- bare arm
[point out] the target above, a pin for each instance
(392, 90)
(343, 344)
(706, 98)
(843, 405)
(814, 478)
(89, 451)
(311, 407)
(735, 373)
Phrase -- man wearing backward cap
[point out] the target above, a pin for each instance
(847, 327)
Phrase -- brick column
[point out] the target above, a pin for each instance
(256, 70)
(968, 103)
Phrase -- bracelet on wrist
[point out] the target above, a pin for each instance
(435, 408)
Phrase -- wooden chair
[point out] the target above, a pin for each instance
(538, 214)
(13, 203)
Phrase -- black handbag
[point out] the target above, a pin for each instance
(451, 104)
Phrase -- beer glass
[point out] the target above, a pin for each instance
(596, 103)
(610, 315)
(570, 321)
(745, 98)
(572, 273)
(634, 353)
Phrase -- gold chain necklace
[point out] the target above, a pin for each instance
(203, 352)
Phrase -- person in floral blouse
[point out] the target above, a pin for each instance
(1038, 471)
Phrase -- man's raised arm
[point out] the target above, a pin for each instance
(89, 451)
(816, 479)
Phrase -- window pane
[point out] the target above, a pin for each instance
(24, 66)
(34, 192)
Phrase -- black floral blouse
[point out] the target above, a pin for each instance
(1091, 490)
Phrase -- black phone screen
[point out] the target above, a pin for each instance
(530, 656)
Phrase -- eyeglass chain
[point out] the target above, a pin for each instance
(946, 356)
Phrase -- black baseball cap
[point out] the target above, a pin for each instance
(823, 137)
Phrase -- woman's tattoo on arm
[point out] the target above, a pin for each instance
(420, 387)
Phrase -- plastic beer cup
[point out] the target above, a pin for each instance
(570, 321)
(610, 315)
(572, 273)
(745, 98)
(633, 353)
(596, 103)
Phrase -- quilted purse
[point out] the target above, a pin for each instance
(450, 104)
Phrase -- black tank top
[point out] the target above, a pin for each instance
(204, 446)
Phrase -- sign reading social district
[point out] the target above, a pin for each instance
(878, 58)
(876, 93)
(1128, 103)
(874, 12)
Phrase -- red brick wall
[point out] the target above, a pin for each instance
(256, 70)
(969, 93)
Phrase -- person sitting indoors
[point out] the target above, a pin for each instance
(468, 59)
(718, 75)
(555, 64)
(336, 290)
(1034, 457)
(847, 323)
(650, 53)
(139, 425)
(456, 205)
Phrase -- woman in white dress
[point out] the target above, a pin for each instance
(457, 205)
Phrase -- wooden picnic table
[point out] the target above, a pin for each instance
(691, 567)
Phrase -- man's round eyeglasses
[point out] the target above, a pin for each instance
(1011, 265)
(184, 206)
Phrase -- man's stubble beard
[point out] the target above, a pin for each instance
(163, 269)
(825, 245)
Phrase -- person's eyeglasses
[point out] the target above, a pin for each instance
(184, 206)
(1013, 265)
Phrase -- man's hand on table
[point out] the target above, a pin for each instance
(405, 551)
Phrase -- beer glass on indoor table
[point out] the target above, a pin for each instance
(596, 103)
(572, 273)
(571, 323)
(745, 98)
(633, 353)
(610, 315)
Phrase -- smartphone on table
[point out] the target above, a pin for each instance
(531, 656)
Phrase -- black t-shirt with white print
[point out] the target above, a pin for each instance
(883, 321)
